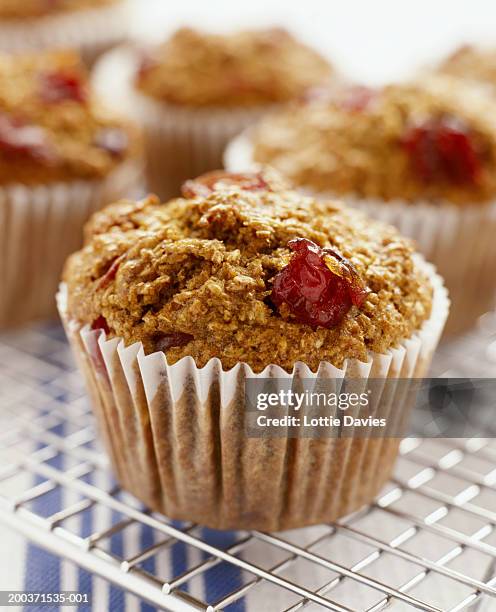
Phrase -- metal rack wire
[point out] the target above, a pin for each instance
(427, 543)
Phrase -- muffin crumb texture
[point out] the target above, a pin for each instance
(19, 9)
(196, 276)
(51, 128)
(247, 68)
(433, 140)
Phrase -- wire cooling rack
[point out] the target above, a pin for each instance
(427, 543)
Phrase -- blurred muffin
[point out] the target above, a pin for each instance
(61, 158)
(242, 278)
(88, 26)
(197, 90)
(471, 63)
(419, 155)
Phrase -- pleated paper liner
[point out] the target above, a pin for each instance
(177, 441)
(458, 240)
(181, 142)
(39, 228)
(90, 31)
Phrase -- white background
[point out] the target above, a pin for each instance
(373, 40)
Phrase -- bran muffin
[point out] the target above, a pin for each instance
(242, 277)
(88, 26)
(246, 68)
(421, 156)
(197, 90)
(62, 155)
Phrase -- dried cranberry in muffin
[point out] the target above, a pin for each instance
(61, 86)
(100, 323)
(319, 286)
(443, 149)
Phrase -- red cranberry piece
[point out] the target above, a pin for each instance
(113, 140)
(101, 323)
(61, 86)
(109, 275)
(163, 342)
(19, 139)
(207, 183)
(318, 285)
(442, 149)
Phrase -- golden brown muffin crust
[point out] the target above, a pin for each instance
(19, 9)
(51, 129)
(358, 147)
(203, 267)
(246, 68)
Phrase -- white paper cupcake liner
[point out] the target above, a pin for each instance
(176, 433)
(90, 31)
(181, 143)
(458, 240)
(39, 228)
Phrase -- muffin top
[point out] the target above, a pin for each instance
(472, 63)
(433, 140)
(51, 129)
(244, 269)
(246, 68)
(18, 9)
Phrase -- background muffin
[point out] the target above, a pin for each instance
(419, 155)
(218, 282)
(89, 26)
(61, 157)
(247, 68)
(197, 90)
(472, 63)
